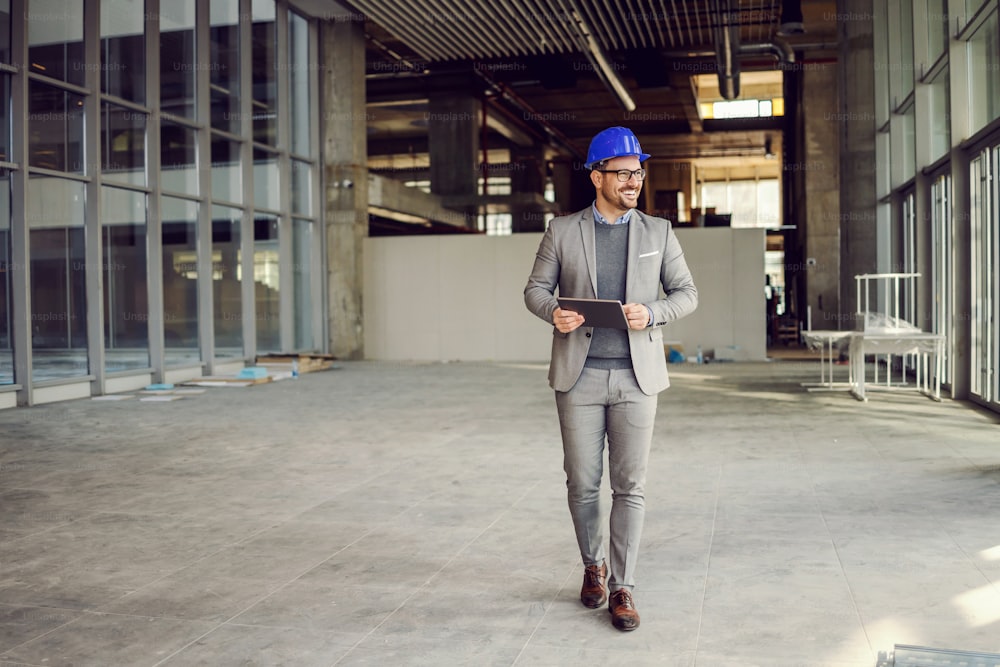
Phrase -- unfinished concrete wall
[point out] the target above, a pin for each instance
(445, 298)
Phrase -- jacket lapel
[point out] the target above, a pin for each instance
(636, 231)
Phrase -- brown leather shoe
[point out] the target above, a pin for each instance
(622, 608)
(593, 594)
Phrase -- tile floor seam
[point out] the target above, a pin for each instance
(552, 601)
(82, 613)
(173, 572)
(847, 583)
(439, 570)
(708, 567)
(972, 561)
(261, 599)
(25, 643)
(287, 583)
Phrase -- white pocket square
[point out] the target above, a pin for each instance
(649, 254)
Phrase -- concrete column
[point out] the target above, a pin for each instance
(343, 124)
(821, 178)
(453, 133)
(527, 176)
(858, 237)
(573, 188)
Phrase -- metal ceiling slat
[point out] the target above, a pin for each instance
(666, 22)
(501, 45)
(567, 27)
(571, 35)
(662, 20)
(593, 16)
(457, 23)
(589, 15)
(530, 15)
(424, 48)
(687, 19)
(653, 18)
(618, 21)
(451, 43)
(510, 28)
(626, 21)
(641, 18)
(709, 18)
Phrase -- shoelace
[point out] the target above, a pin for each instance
(622, 598)
(593, 575)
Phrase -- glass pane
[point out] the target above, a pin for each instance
(937, 29)
(301, 274)
(5, 31)
(266, 190)
(266, 287)
(301, 187)
(55, 128)
(55, 217)
(226, 281)
(265, 81)
(177, 57)
(126, 303)
(55, 39)
(299, 73)
(227, 172)
(180, 281)
(178, 158)
(940, 116)
(905, 70)
(5, 118)
(6, 309)
(224, 45)
(123, 144)
(123, 49)
(972, 6)
(984, 74)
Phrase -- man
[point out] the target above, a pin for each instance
(606, 380)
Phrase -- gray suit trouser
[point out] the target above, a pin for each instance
(607, 404)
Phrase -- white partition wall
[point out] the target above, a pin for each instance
(460, 298)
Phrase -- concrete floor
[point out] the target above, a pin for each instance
(414, 514)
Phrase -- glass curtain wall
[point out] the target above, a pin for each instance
(227, 275)
(237, 161)
(126, 304)
(942, 269)
(303, 186)
(180, 281)
(6, 309)
(57, 266)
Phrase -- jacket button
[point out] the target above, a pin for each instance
(588, 334)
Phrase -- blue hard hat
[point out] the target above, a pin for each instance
(613, 142)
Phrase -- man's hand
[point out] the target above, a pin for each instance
(566, 320)
(637, 315)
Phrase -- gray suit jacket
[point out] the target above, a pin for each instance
(566, 260)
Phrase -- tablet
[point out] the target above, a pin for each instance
(606, 313)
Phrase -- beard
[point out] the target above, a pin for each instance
(622, 195)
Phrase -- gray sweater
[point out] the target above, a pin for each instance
(609, 347)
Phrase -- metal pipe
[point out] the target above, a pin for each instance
(727, 49)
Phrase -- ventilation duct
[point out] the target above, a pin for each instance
(727, 47)
(791, 18)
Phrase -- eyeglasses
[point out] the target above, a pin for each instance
(625, 174)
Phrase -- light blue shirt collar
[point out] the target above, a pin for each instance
(623, 220)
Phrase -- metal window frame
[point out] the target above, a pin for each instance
(93, 182)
